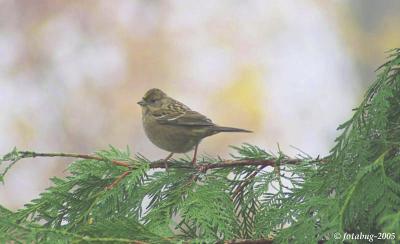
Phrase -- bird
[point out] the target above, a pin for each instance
(174, 127)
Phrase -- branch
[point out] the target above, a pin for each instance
(243, 241)
(27, 154)
(202, 167)
(247, 181)
(256, 241)
(205, 165)
(240, 162)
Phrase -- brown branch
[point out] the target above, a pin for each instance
(243, 241)
(256, 241)
(203, 167)
(247, 181)
(162, 164)
(27, 154)
(234, 163)
(118, 179)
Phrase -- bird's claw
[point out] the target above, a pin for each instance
(201, 168)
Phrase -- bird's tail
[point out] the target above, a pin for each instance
(217, 129)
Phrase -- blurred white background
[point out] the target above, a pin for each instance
(71, 73)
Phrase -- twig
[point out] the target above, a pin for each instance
(162, 164)
(246, 181)
(27, 154)
(256, 241)
(241, 162)
(165, 164)
(244, 241)
(118, 179)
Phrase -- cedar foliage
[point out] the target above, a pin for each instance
(356, 188)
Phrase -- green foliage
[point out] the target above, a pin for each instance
(358, 189)
(354, 189)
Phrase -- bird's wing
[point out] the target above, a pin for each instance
(182, 118)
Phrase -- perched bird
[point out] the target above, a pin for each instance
(173, 126)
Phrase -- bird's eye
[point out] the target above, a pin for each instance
(152, 101)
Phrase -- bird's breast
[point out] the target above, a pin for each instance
(171, 138)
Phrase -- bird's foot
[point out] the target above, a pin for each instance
(194, 163)
(166, 161)
(201, 168)
(166, 165)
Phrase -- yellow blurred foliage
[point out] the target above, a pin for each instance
(24, 130)
(243, 97)
(389, 36)
(367, 45)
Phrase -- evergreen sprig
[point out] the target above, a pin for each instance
(257, 196)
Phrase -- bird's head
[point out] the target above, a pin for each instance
(153, 99)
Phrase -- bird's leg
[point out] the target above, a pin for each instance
(194, 155)
(166, 160)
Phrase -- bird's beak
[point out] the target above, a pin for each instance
(141, 103)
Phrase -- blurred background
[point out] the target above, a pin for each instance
(71, 73)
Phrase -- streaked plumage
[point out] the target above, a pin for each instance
(173, 126)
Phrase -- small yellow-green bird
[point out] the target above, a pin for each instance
(173, 126)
